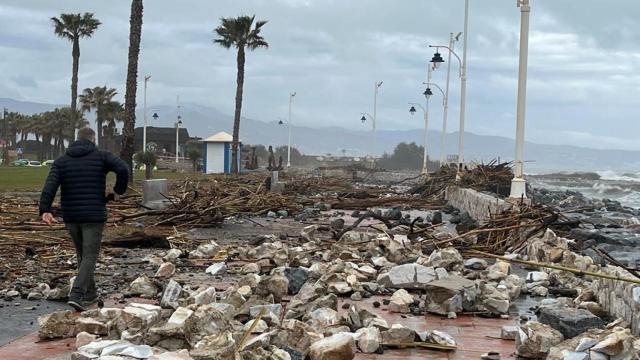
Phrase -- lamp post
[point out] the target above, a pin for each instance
(518, 184)
(289, 125)
(144, 129)
(178, 136)
(376, 86)
(445, 101)
(437, 60)
(427, 94)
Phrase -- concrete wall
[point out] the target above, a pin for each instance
(477, 204)
(620, 299)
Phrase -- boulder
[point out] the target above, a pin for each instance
(85, 338)
(171, 295)
(204, 251)
(398, 334)
(322, 318)
(91, 326)
(297, 277)
(215, 347)
(143, 287)
(569, 321)
(475, 264)
(369, 339)
(260, 327)
(140, 316)
(452, 294)
(534, 340)
(216, 268)
(172, 255)
(203, 296)
(407, 276)
(448, 258)
(166, 270)
(60, 324)
(508, 332)
(615, 344)
(400, 301)
(337, 347)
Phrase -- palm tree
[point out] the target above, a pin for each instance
(135, 32)
(238, 32)
(100, 99)
(73, 27)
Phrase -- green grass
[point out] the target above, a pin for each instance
(18, 178)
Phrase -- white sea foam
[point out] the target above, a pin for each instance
(614, 176)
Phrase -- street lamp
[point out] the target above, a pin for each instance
(376, 86)
(518, 184)
(289, 125)
(425, 111)
(463, 81)
(144, 129)
(178, 136)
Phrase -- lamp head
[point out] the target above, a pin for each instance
(280, 122)
(155, 116)
(427, 92)
(437, 60)
(412, 110)
(363, 119)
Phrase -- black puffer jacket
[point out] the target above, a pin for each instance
(81, 174)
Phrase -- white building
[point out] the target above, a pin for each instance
(217, 153)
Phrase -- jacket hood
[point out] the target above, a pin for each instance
(81, 148)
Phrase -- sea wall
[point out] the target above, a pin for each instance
(620, 299)
(478, 205)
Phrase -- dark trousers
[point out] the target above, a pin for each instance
(87, 239)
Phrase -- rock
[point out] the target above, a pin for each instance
(204, 296)
(322, 318)
(539, 291)
(207, 320)
(205, 251)
(369, 339)
(60, 324)
(448, 258)
(278, 286)
(250, 268)
(594, 308)
(245, 291)
(172, 355)
(437, 218)
(84, 338)
(400, 301)
(282, 213)
(340, 288)
(613, 344)
(172, 255)
(250, 280)
(261, 326)
(442, 338)
(337, 347)
(585, 344)
(475, 264)
(407, 276)
(215, 347)
(398, 334)
(171, 295)
(34, 295)
(534, 340)
(216, 269)
(537, 276)
(297, 277)
(508, 332)
(498, 271)
(453, 294)
(271, 214)
(91, 326)
(494, 299)
(279, 354)
(166, 270)
(570, 322)
(572, 355)
(11, 294)
(143, 287)
(140, 316)
(272, 314)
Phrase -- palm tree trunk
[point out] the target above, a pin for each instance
(236, 118)
(135, 32)
(75, 54)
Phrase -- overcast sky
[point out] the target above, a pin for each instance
(584, 64)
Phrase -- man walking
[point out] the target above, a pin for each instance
(81, 174)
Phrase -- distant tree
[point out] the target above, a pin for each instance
(296, 155)
(148, 159)
(195, 155)
(73, 27)
(99, 98)
(405, 156)
(135, 33)
(239, 33)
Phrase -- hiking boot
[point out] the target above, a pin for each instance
(77, 305)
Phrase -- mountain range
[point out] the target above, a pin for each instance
(203, 121)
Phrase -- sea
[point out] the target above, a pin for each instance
(606, 184)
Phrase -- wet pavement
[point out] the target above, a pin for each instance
(18, 317)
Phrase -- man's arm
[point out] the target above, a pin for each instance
(50, 189)
(121, 169)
